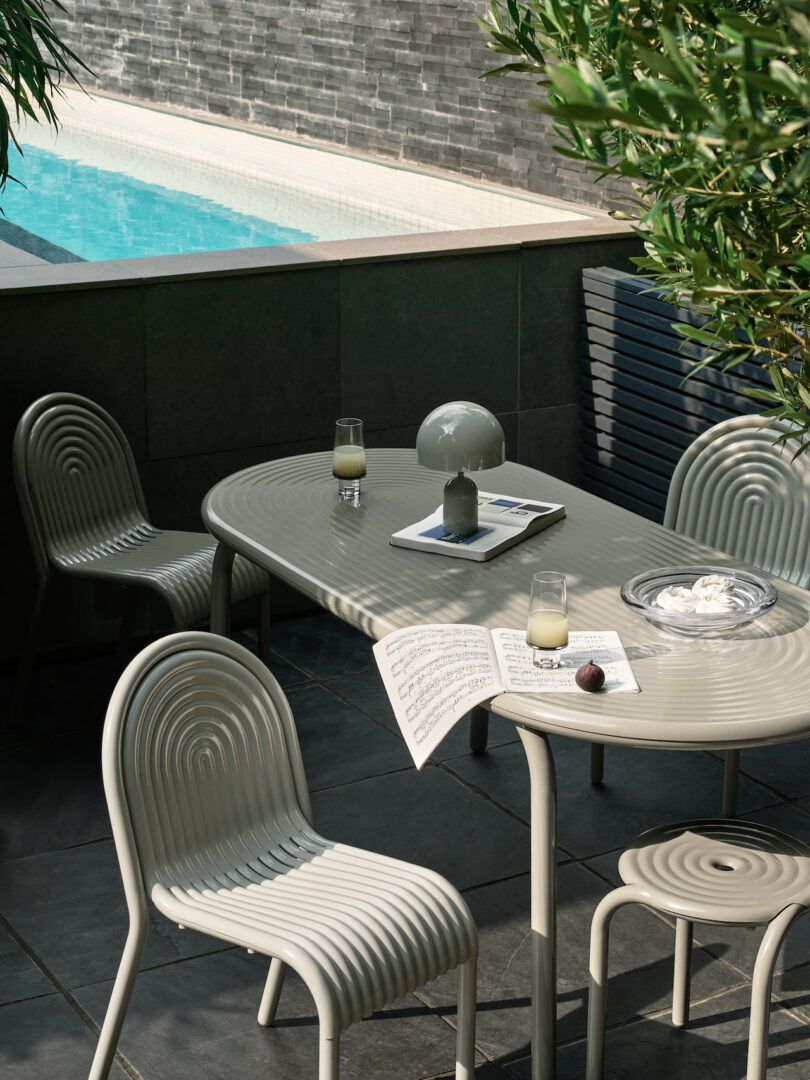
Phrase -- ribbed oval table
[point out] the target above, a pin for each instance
(745, 688)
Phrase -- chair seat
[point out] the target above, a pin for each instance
(719, 870)
(177, 565)
(363, 927)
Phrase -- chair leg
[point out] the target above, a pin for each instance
(264, 628)
(221, 590)
(119, 998)
(272, 992)
(465, 1030)
(731, 777)
(29, 649)
(761, 989)
(479, 729)
(682, 981)
(328, 1055)
(597, 762)
(597, 982)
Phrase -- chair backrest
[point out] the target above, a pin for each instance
(76, 479)
(737, 491)
(202, 767)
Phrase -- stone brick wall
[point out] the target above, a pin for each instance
(398, 79)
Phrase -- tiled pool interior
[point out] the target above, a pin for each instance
(318, 194)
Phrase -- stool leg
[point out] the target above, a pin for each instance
(597, 762)
(731, 779)
(465, 1021)
(272, 992)
(761, 989)
(479, 729)
(597, 983)
(683, 972)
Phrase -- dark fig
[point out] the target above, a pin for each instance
(590, 677)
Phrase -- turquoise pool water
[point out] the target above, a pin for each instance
(106, 215)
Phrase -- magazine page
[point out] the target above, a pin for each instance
(512, 512)
(434, 675)
(604, 647)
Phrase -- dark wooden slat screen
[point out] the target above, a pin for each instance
(637, 415)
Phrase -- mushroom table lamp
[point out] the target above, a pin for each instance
(456, 437)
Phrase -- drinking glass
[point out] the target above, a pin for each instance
(547, 628)
(349, 458)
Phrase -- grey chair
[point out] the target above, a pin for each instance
(732, 873)
(85, 514)
(212, 820)
(735, 489)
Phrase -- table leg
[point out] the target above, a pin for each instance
(479, 729)
(221, 590)
(543, 900)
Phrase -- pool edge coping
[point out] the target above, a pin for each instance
(57, 277)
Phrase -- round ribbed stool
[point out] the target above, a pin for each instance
(716, 871)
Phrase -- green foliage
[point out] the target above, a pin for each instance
(32, 61)
(705, 108)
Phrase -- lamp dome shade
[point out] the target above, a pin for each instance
(460, 436)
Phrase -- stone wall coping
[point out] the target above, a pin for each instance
(115, 273)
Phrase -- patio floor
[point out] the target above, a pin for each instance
(63, 921)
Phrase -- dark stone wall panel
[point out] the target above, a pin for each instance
(385, 77)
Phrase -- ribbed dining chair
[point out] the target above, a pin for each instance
(85, 514)
(730, 873)
(212, 820)
(735, 489)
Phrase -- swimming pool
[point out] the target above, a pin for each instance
(122, 180)
(99, 215)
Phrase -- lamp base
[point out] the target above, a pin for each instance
(460, 510)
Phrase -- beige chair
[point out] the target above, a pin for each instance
(212, 820)
(85, 513)
(739, 491)
(726, 872)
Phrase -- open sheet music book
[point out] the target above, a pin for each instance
(502, 522)
(434, 674)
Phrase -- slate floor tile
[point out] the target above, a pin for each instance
(338, 743)
(785, 767)
(69, 907)
(45, 1037)
(51, 796)
(48, 711)
(21, 978)
(428, 818)
(323, 646)
(198, 1019)
(286, 673)
(642, 788)
(713, 1047)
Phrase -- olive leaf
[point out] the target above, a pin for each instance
(704, 108)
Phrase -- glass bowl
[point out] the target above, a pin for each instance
(752, 595)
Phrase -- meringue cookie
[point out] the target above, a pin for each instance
(677, 598)
(713, 586)
(710, 593)
(716, 603)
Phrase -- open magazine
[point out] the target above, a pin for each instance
(434, 674)
(502, 522)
